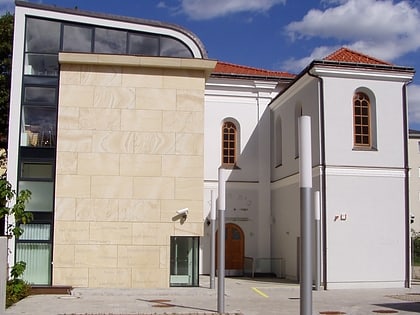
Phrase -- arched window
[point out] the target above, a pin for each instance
(229, 144)
(362, 134)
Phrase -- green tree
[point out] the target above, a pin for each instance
(12, 204)
(6, 48)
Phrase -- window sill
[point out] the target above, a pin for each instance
(231, 167)
(364, 149)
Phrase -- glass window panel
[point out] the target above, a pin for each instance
(38, 126)
(39, 95)
(42, 36)
(110, 41)
(37, 170)
(77, 38)
(39, 232)
(140, 44)
(38, 262)
(41, 64)
(172, 47)
(32, 80)
(365, 121)
(184, 261)
(42, 195)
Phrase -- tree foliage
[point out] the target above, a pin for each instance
(6, 48)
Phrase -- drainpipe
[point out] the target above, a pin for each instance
(323, 185)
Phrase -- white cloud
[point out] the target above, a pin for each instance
(205, 9)
(413, 95)
(383, 29)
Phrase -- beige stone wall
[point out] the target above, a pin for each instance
(129, 154)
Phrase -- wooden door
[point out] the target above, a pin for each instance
(234, 250)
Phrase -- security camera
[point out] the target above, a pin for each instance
(182, 211)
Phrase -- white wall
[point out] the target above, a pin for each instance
(365, 189)
(248, 193)
(365, 228)
(284, 106)
(414, 162)
(338, 106)
(364, 193)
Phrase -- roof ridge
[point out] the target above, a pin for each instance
(349, 55)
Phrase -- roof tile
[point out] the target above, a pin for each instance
(233, 69)
(347, 55)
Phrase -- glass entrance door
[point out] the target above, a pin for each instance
(184, 261)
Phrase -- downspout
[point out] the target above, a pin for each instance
(407, 191)
(322, 176)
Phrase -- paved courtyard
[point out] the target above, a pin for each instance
(242, 296)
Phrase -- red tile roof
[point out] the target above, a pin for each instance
(347, 55)
(233, 69)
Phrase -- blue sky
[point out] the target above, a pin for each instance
(284, 35)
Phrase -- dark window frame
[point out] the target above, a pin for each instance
(230, 143)
(362, 121)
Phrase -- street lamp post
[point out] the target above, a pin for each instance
(305, 171)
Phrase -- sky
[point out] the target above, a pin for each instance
(284, 35)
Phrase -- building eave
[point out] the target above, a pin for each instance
(353, 70)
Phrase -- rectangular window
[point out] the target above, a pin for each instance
(42, 36)
(39, 95)
(77, 38)
(41, 64)
(38, 126)
(418, 146)
(42, 196)
(39, 232)
(38, 261)
(110, 41)
(140, 44)
(36, 170)
(184, 261)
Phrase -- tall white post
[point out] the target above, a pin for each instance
(306, 223)
(223, 176)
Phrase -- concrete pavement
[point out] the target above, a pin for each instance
(243, 296)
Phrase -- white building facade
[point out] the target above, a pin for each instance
(117, 123)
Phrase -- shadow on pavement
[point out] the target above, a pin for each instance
(406, 306)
